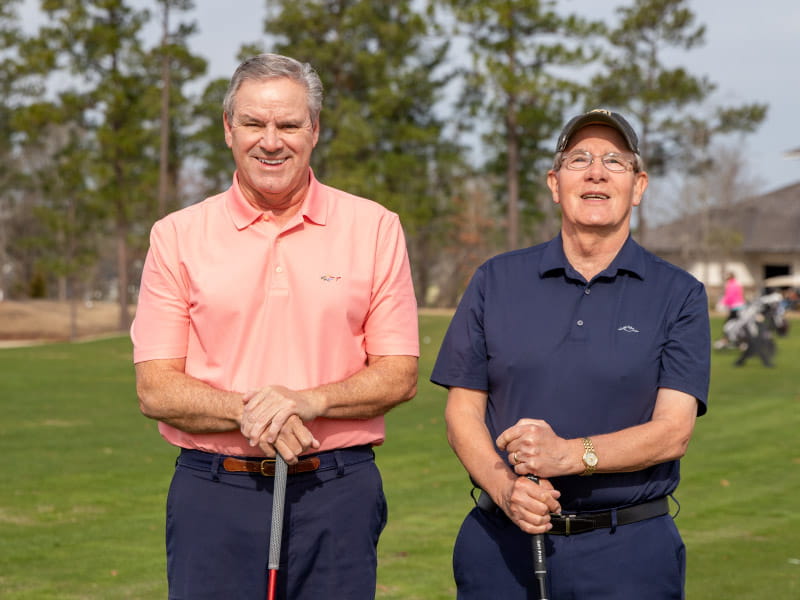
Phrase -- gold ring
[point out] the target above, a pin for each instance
(516, 459)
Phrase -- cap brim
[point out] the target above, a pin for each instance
(598, 118)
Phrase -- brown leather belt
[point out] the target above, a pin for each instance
(239, 466)
(267, 467)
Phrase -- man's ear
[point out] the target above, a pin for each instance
(639, 186)
(315, 132)
(552, 183)
(227, 127)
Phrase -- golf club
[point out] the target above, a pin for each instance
(276, 532)
(539, 564)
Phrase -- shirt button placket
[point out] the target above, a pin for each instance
(586, 292)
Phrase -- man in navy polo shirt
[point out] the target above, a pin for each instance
(583, 361)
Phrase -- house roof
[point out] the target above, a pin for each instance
(766, 223)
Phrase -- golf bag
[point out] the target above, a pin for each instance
(754, 328)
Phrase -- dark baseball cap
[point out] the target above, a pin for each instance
(599, 116)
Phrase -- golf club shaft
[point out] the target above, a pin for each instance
(273, 577)
(276, 529)
(539, 561)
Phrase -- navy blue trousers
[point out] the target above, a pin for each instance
(218, 528)
(493, 559)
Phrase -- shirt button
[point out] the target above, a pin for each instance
(279, 269)
(580, 323)
(587, 291)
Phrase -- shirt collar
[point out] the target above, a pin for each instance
(630, 258)
(244, 214)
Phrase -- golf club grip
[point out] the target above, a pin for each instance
(539, 561)
(278, 499)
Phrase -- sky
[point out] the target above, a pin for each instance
(751, 53)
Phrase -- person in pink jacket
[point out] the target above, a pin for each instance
(733, 301)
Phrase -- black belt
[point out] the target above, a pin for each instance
(573, 523)
(321, 461)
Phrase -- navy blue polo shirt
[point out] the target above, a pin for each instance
(587, 357)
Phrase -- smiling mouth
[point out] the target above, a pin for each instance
(595, 196)
(271, 162)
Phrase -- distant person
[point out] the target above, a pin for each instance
(733, 301)
(583, 361)
(733, 296)
(278, 316)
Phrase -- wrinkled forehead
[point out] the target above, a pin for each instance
(597, 137)
(272, 96)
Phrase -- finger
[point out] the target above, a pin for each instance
(288, 449)
(533, 498)
(532, 518)
(267, 449)
(306, 439)
(249, 397)
(507, 437)
(505, 441)
(547, 495)
(502, 441)
(248, 427)
(302, 433)
(535, 527)
(276, 425)
(254, 423)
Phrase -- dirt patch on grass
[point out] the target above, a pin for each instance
(49, 320)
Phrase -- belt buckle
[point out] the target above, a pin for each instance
(580, 525)
(568, 523)
(265, 463)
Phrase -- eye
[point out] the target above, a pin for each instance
(578, 160)
(292, 127)
(615, 162)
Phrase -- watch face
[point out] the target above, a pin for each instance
(590, 459)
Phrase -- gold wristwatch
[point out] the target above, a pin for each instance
(589, 457)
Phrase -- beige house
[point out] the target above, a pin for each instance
(755, 239)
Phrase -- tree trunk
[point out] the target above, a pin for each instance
(512, 173)
(122, 274)
(163, 161)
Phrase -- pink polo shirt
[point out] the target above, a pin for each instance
(249, 304)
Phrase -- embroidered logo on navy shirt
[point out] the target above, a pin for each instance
(628, 329)
(329, 278)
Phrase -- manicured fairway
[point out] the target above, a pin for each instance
(84, 478)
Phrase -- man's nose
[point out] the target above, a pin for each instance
(270, 137)
(596, 169)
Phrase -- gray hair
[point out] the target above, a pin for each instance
(275, 66)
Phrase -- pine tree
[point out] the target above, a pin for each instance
(668, 102)
(383, 74)
(517, 91)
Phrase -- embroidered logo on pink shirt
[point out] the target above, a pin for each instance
(329, 278)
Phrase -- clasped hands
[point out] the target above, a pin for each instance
(273, 418)
(533, 448)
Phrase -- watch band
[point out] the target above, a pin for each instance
(589, 457)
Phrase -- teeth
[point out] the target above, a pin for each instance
(270, 162)
(595, 196)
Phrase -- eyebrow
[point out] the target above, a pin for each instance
(281, 122)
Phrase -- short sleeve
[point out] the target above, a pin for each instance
(462, 359)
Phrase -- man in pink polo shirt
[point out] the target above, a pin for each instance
(278, 316)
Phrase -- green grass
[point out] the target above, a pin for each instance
(84, 480)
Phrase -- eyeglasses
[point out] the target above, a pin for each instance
(580, 160)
